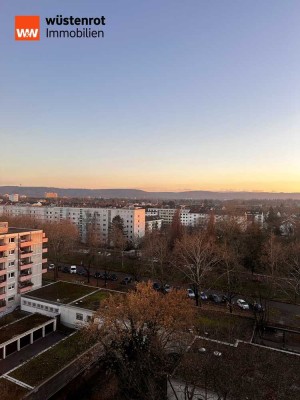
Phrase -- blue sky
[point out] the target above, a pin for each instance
(178, 95)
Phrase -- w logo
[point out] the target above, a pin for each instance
(27, 28)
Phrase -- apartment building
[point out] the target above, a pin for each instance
(187, 218)
(22, 263)
(101, 218)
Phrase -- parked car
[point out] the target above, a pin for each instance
(256, 307)
(126, 280)
(190, 293)
(113, 277)
(215, 298)
(97, 275)
(167, 288)
(156, 286)
(242, 304)
(51, 266)
(73, 269)
(203, 296)
(65, 270)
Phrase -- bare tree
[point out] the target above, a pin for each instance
(62, 237)
(195, 256)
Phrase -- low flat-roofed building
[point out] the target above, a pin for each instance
(73, 303)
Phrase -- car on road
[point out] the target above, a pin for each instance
(73, 269)
(203, 296)
(215, 298)
(256, 307)
(126, 280)
(242, 304)
(51, 266)
(156, 286)
(191, 293)
(167, 288)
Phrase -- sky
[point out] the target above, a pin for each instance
(178, 95)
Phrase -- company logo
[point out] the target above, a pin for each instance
(27, 27)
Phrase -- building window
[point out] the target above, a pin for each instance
(11, 263)
(11, 252)
(24, 302)
(11, 275)
(79, 317)
(11, 240)
(11, 298)
(11, 287)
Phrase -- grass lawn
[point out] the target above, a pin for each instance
(223, 326)
(9, 390)
(12, 317)
(48, 363)
(62, 292)
(22, 326)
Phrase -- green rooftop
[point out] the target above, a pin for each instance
(21, 326)
(61, 292)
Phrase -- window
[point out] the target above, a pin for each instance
(11, 263)
(88, 318)
(79, 317)
(11, 240)
(11, 252)
(55, 309)
(33, 304)
(11, 287)
(24, 302)
(11, 298)
(11, 275)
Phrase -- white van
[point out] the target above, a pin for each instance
(73, 269)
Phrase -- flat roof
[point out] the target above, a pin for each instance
(21, 326)
(20, 230)
(93, 301)
(61, 292)
(242, 370)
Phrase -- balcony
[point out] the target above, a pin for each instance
(25, 287)
(44, 260)
(25, 254)
(45, 250)
(25, 277)
(2, 296)
(4, 247)
(3, 272)
(26, 243)
(2, 305)
(44, 270)
(3, 259)
(25, 265)
(3, 282)
(45, 240)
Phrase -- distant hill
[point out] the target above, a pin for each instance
(39, 192)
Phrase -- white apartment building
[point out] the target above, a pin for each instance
(13, 197)
(22, 263)
(186, 217)
(101, 218)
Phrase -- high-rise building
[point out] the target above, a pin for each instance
(22, 263)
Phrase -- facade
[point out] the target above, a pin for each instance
(101, 218)
(187, 218)
(153, 223)
(22, 263)
(255, 216)
(13, 197)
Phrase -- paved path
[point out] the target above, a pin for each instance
(29, 351)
